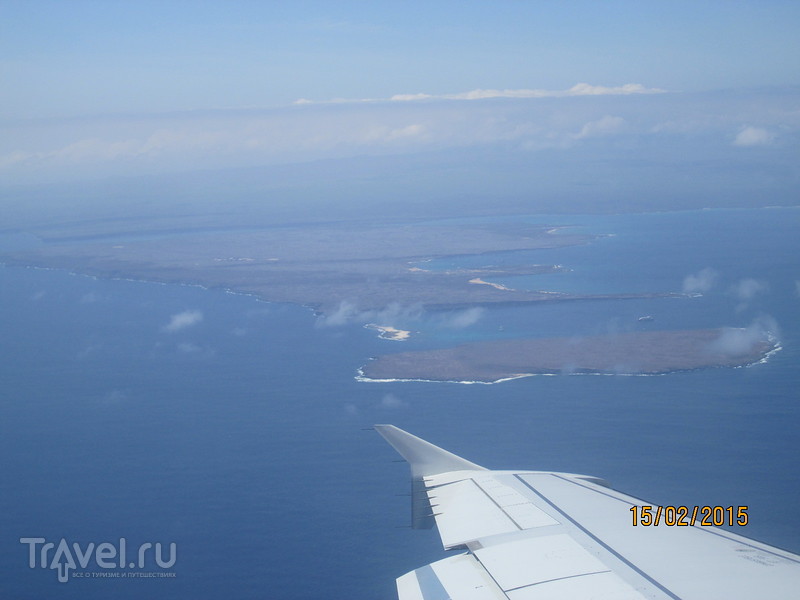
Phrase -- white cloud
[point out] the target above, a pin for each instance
(407, 131)
(753, 136)
(80, 151)
(700, 282)
(383, 133)
(464, 318)
(396, 314)
(604, 126)
(741, 341)
(18, 157)
(584, 89)
(391, 401)
(580, 89)
(183, 320)
(68, 149)
(747, 289)
(348, 312)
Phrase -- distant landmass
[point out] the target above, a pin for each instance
(640, 353)
(367, 265)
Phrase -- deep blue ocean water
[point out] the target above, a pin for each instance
(240, 437)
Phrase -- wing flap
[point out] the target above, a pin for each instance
(529, 561)
(465, 513)
(460, 577)
(471, 506)
(598, 586)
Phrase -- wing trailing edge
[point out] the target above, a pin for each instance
(425, 460)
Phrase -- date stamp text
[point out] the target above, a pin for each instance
(689, 516)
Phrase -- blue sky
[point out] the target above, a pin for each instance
(110, 87)
(76, 58)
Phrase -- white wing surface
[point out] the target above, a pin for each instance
(534, 535)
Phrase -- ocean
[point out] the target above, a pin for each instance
(236, 429)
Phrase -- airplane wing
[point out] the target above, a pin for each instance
(535, 535)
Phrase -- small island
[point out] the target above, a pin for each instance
(639, 353)
(386, 332)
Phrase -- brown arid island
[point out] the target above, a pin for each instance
(641, 353)
(321, 265)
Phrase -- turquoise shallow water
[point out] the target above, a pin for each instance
(240, 437)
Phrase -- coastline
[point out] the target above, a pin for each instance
(639, 354)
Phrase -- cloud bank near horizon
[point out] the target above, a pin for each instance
(615, 123)
(579, 89)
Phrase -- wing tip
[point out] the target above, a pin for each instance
(425, 458)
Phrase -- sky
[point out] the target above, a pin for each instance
(104, 88)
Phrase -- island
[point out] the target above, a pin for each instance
(386, 332)
(638, 353)
(321, 265)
